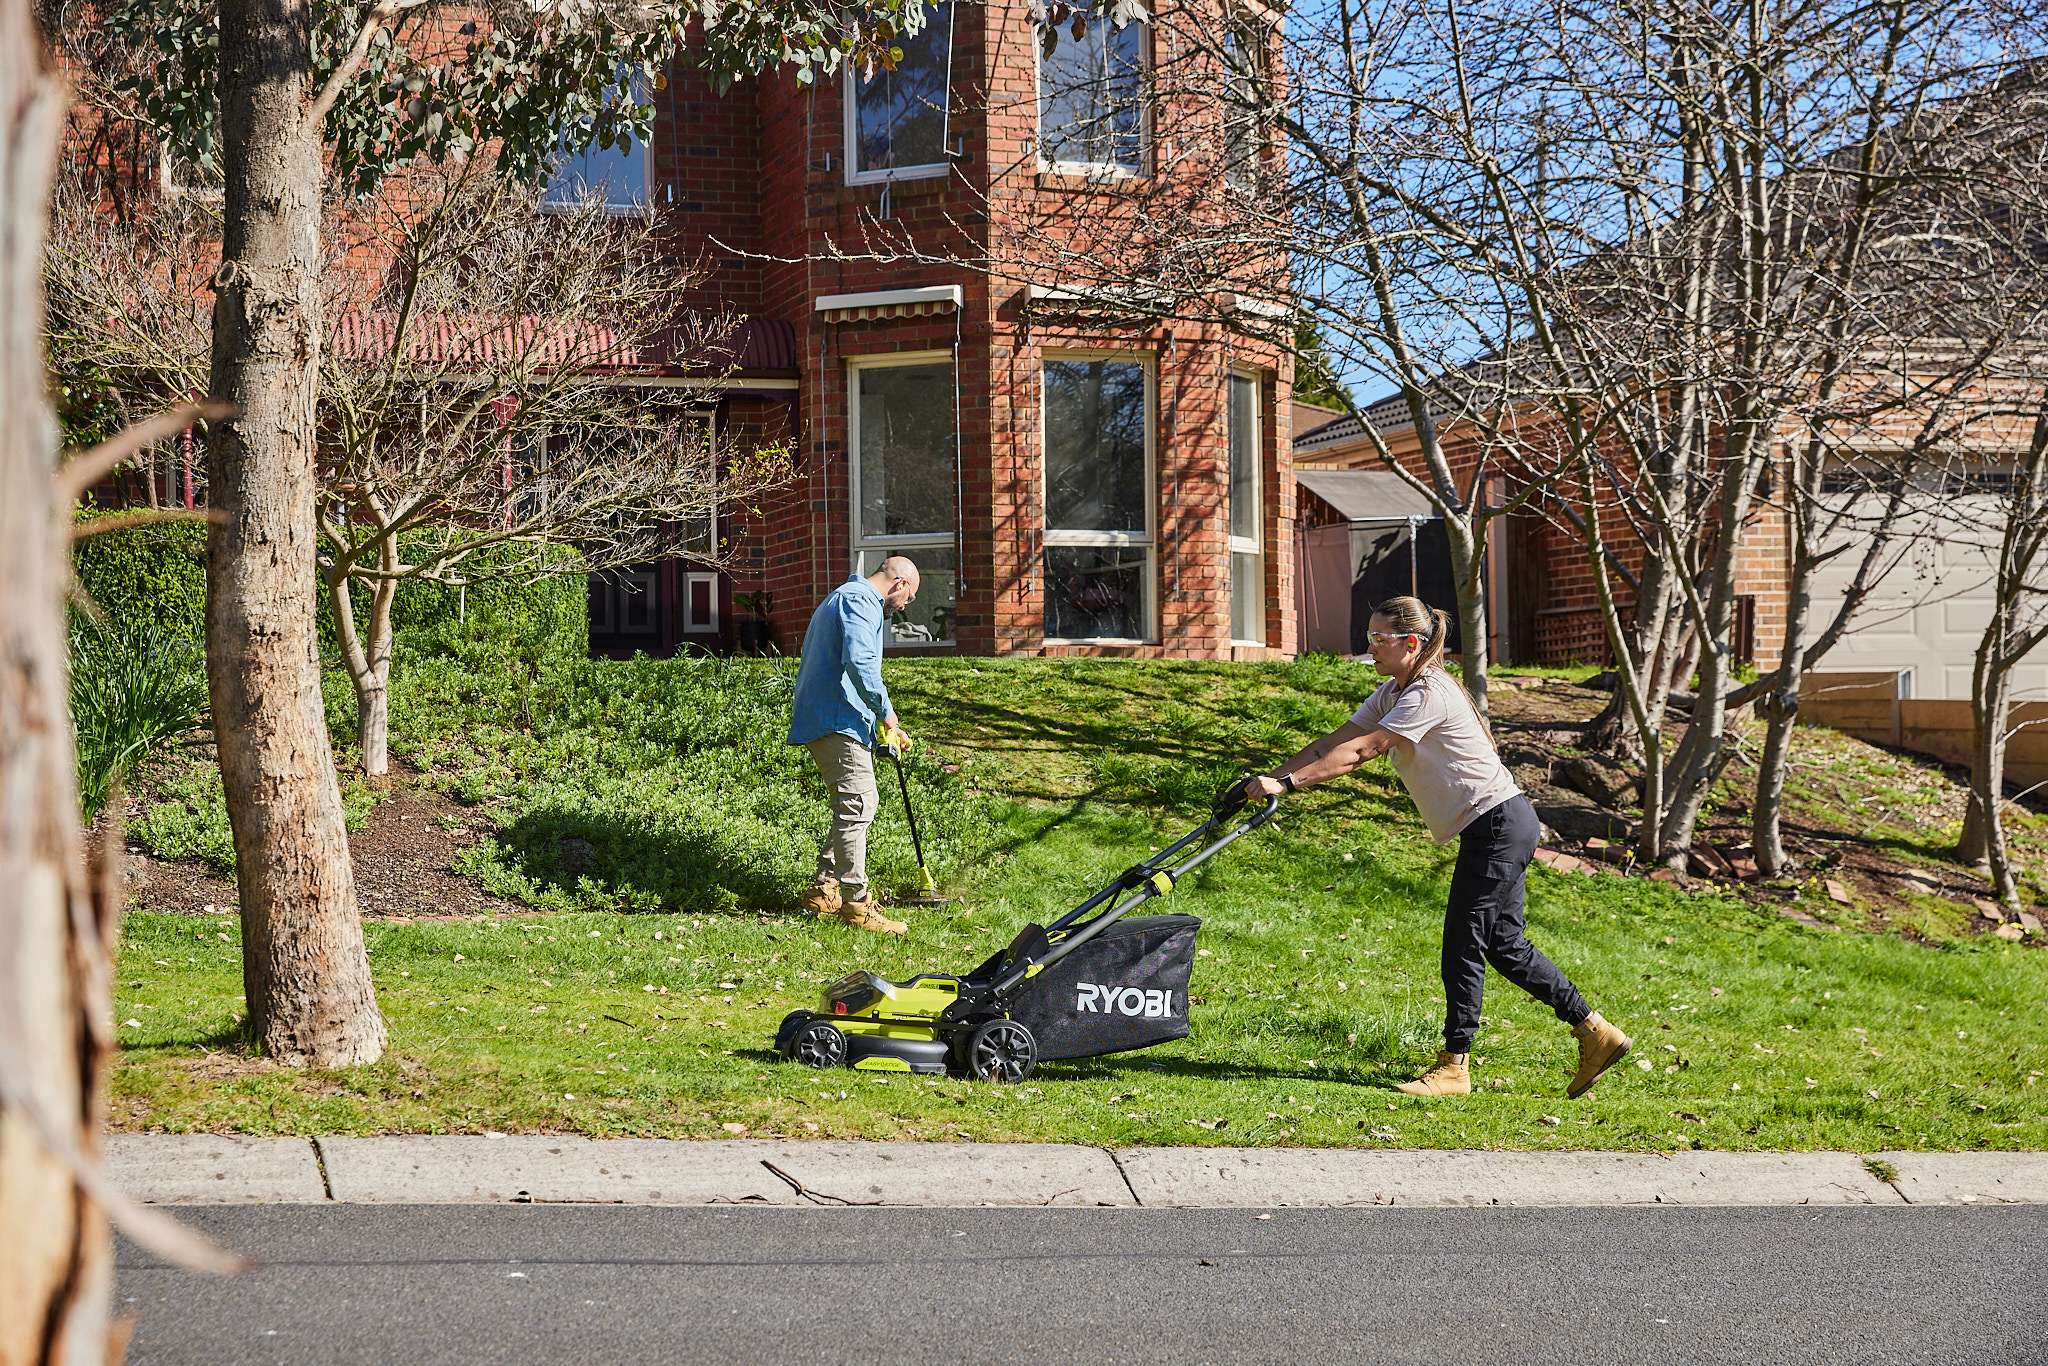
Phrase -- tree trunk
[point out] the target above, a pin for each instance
(368, 659)
(56, 1257)
(1780, 707)
(1984, 825)
(1468, 553)
(303, 962)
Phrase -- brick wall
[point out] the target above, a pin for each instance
(1553, 597)
(807, 210)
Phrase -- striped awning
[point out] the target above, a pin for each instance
(754, 348)
(889, 303)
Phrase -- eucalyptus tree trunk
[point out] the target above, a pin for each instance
(304, 966)
(56, 1256)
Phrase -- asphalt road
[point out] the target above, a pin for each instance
(584, 1284)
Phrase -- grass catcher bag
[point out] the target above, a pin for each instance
(1126, 988)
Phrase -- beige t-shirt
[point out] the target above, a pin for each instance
(1442, 753)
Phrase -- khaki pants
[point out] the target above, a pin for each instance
(848, 767)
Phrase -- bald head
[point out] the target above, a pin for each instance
(896, 580)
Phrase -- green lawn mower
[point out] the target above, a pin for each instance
(1095, 981)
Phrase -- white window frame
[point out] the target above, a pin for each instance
(689, 625)
(709, 419)
(1114, 170)
(1149, 541)
(858, 543)
(176, 177)
(643, 148)
(1244, 177)
(850, 126)
(1254, 545)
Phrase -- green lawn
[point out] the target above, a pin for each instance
(1316, 987)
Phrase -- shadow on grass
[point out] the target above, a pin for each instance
(1129, 1066)
(231, 1037)
(586, 856)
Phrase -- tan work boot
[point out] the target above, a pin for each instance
(1450, 1077)
(822, 897)
(1601, 1045)
(866, 914)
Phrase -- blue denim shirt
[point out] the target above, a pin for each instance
(839, 684)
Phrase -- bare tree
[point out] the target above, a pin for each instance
(507, 397)
(1271, 206)
(516, 384)
(2017, 629)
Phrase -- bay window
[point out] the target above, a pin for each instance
(905, 485)
(1098, 499)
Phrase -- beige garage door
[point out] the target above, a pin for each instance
(1930, 609)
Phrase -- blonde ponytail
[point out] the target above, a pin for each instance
(1412, 617)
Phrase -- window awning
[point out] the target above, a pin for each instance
(755, 349)
(1366, 495)
(889, 303)
(1094, 298)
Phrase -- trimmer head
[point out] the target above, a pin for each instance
(927, 891)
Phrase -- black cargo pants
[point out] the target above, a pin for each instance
(1484, 924)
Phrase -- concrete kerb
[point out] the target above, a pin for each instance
(1276, 1177)
(1970, 1178)
(214, 1169)
(490, 1169)
(472, 1169)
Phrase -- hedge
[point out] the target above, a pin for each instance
(156, 571)
(159, 571)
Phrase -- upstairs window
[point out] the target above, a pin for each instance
(896, 120)
(582, 169)
(1091, 88)
(1243, 78)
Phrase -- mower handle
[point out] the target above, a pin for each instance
(1147, 888)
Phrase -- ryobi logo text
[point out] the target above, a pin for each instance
(1153, 1005)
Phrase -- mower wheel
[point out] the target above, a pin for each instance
(786, 1032)
(820, 1045)
(1001, 1050)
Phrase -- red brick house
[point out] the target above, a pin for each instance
(1069, 479)
(1542, 601)
(1120, 488)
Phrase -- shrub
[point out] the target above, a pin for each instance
(135, 682)
(189, 818)
(525, 618)
(155, 572)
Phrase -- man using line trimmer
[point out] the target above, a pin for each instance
(842, 711)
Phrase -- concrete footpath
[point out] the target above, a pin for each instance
(203, 1169)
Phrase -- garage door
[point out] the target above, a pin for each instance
(1929, 611)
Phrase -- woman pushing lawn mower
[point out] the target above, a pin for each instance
(1422, 719)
